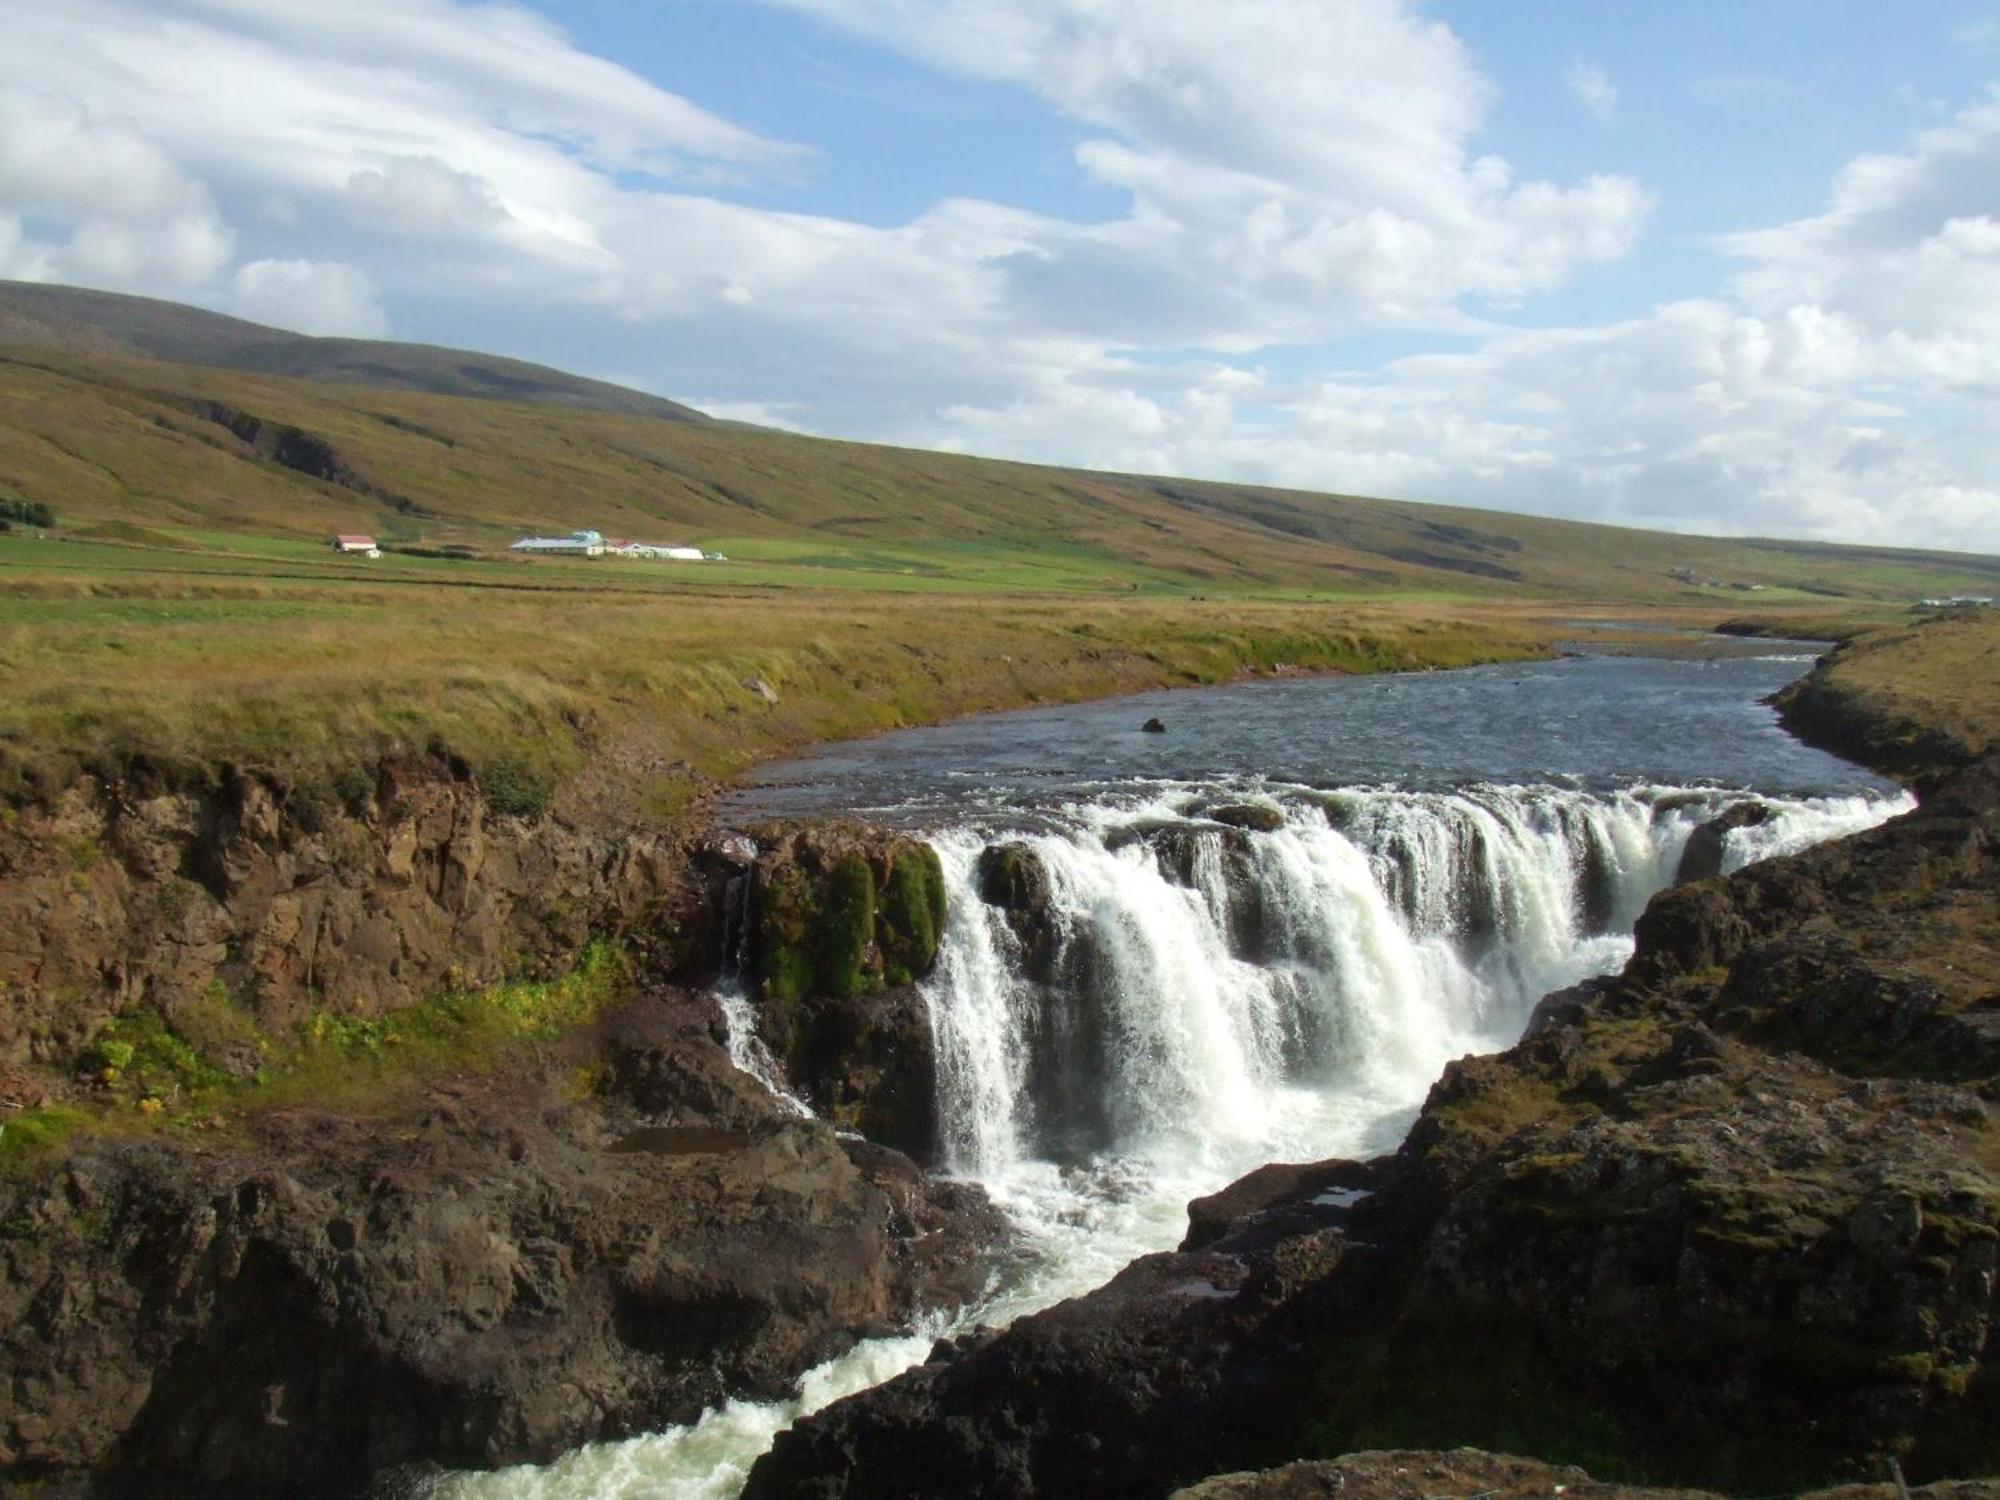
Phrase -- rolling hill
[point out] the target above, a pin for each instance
(34, 315)
(146, 422)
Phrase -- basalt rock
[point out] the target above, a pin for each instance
(1731, 1219)
(1702, 856)
(844, 922)
(1470, 1474)
(507, 1268)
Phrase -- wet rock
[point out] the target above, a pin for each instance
(1013, 878)
(1701, 858)
(1154, 726)
(1254, 817)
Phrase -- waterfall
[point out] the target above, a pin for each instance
(732, 996)
(1180, 982)
(1186, 998)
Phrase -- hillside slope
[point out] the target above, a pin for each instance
(109, 439)
(33, 315)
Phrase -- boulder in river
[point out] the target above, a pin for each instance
(1701, 858)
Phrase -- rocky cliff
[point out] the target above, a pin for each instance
(1731, 1218)
(600, 1234)
(120, 894)
(601, 1241)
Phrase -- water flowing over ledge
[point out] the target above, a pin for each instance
(1145, 993)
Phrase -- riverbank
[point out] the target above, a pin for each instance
(1729, 1219)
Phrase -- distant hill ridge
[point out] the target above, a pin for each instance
(35, 315)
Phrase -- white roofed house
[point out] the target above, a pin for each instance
(576, 544)
(357, 544)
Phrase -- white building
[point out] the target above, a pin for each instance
(576, 544)
(618, 547)
(363, 546)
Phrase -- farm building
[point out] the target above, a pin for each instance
(576, 544)
(363, 545)
(619, 547)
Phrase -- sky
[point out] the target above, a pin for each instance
(1712, 267)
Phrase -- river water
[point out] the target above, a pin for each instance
(1431, 854)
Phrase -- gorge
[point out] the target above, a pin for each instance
(1086, 988)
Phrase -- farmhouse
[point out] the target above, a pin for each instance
(576, 544)
(364, 545)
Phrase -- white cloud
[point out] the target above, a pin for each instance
(1593, 86)
(1294, 171)
(115, 209)
(307, 296)
(422, 197)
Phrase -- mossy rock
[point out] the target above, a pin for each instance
(911, 913)
(843, 935)
(839, 919)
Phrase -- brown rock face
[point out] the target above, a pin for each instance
(117, 898)
(1730, 1219)
(495, 1274)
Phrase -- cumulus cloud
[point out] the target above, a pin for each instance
(307, 296)
(1294, 171)
(113, 208)
(1594, 88)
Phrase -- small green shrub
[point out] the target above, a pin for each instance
(514, 785)
(140, 1055)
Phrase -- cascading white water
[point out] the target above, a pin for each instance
(1200, 978)
(1198, 999)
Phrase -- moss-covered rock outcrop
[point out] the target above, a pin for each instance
(844, 923)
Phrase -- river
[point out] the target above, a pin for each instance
(1262, 934)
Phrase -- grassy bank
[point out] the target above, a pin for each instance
(114, 657)
(1938, 677)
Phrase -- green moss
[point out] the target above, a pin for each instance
(844, 930)
(33, 1135)
(1421, 1392)
(912, 914)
